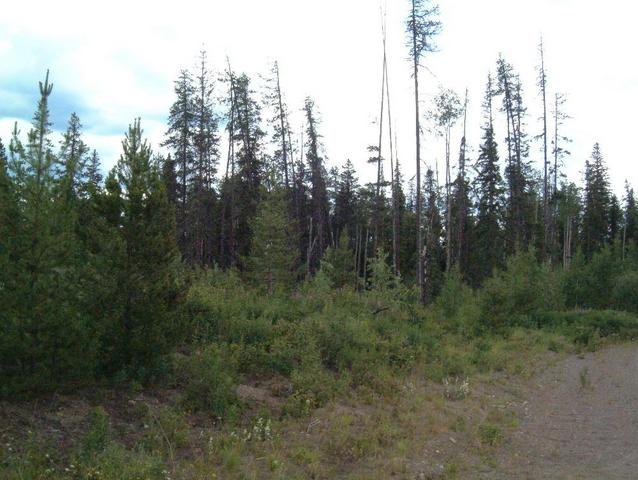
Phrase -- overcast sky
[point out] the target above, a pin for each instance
(113, 61)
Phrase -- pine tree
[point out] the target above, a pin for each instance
(93, 172)
(615, 220)
(569, 213)
(346, 202)
(488, 235)
(319, 225)
(72, 159)
(248, 136)
(169, 178)
(520, 207)
(282, 155)
(44, 337)
(146, 281)
(270, 263)
(630, 233)
(341, 259)
(421, 28)
(434, 258)
(179, 140)
(205, 141)
(597, 202)
(460, 206)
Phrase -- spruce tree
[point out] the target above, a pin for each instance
(282, 156)
(597, 203)
(319, 226)
(248, 136)
(434, 258)
(520, 208)
(488, 235)
(346, 202)
(202, 205)
(630, 233)
(179, 140)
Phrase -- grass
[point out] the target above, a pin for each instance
(351, 386)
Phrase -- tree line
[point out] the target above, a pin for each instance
(94, 267)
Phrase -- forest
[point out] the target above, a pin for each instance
(233, 255)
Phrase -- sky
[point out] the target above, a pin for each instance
(114, 61)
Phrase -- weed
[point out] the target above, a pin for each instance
(490, 434)
(456, 388)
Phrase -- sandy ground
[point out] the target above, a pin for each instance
(579, 421)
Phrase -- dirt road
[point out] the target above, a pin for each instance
(580, 421)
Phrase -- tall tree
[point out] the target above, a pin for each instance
(547, 218)
(72, 158)
(179, 140)
(630, 232)
(94, 171)
(319, 210)
(460, 205)
(270, 264)
(488, 235)
(43, 331)
(248, 135)
(447, 111)
(434, 256)
(346, 202)
(597, 203)
(422, 26)
(147, 229)
(206, 146)
(520, 207)
(281, 126)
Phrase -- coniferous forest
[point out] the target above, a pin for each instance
(232, 257)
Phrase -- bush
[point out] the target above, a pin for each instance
(210, 380)
(589, 285)
(625, 292)
(522, 289)
(98, 436)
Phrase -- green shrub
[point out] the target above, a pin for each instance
(98, 436)
(625, 292)
(590, 284)
(522, 289)
(210, 380)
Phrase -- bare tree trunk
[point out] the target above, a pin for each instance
(395, 217)
(284, 149)
(379, 203)
(365, 258)
(310, 247)
(228, 203)
(357, 254)
(417, 127)
(546, 214)
(461, 234)
(448, 181)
